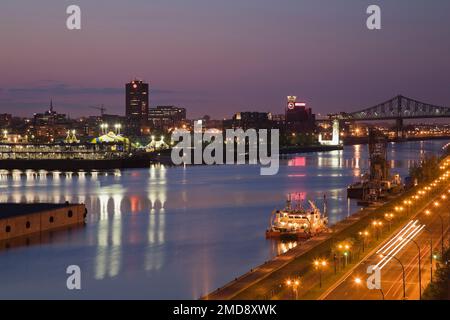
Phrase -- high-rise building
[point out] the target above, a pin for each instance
(165, 117)
(299, 118)
(136, 111)
(250, 120)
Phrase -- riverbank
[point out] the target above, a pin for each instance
(211, 219)
(365, 140)
(144, 160)
(308, 149)
(267, 280)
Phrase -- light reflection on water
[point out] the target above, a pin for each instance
(172, 232)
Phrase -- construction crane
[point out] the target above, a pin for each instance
(101, 108)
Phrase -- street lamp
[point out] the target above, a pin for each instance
(389, 217)
(377, 224)
(403, 272)
(428, 213)
(420, 271)
(117, 126)
(408, 203)
(320, 265)
(399, 209)
(358, 281)
(294, 284)
(363, 235)
(344, 248)
(431, 252)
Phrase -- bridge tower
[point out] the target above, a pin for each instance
(399, 120)
(379, 169)
(399, 128)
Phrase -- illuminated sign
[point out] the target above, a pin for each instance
(292, 98)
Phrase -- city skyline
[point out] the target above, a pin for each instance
(250, 56)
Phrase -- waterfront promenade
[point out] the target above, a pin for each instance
(319, 243)
(268, 280)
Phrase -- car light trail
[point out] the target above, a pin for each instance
(401, 233)
(397, 243)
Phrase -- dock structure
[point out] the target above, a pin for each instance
(22, 219)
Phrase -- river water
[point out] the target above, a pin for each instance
(173, 232)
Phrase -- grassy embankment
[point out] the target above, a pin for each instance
(273, 286)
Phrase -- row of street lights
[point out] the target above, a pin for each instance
(104, 127)
(436, 204)
(344, 248)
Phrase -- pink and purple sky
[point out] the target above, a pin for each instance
(218, 57)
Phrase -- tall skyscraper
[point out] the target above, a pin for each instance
(137, 108)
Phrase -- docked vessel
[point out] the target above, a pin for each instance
(377, 184)
(297, 222)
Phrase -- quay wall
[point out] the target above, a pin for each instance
(21, 225)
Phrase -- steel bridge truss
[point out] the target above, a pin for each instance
(399, 107)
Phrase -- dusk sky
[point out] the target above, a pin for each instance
(218, 57)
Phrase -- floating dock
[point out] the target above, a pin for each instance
(17, 219)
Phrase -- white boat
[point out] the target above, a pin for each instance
(297, 222)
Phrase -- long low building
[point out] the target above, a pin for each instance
(17, 219)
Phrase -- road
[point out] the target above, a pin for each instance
(391, 275)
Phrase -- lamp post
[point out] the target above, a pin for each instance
(408, 203)
(363, 235)
(428, 212)
(403, 272)
(377, 224)
(431, 252)
(420, 272)
(344, 250)
(358, 281)
(335, 263)
(389, 217)
(399, 209)
(294, 284)
(320, 264)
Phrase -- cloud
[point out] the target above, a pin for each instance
(62, 89)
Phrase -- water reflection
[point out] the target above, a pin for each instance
(175, 232)
(283, 247)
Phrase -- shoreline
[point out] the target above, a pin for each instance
(298, 258)
(163, 157)
(365, 140)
